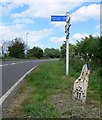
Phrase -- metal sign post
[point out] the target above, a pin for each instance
(67, 26)
(67, 56)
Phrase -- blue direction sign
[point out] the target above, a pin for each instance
(58, 18)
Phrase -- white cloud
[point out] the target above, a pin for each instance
(8, 7)
(36, 36)
(45, 9)
(23, 21)
(92, 0)
(0, 9)
(78, 36)
(42, 46)
(38, 9)
(11, 32)
(86, 12)
(58, 39)
(98, 26)
(51, 1)
(58, 24)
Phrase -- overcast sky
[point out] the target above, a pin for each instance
(34, 17)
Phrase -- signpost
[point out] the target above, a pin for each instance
(58, 18)
(67, 26)
(66, 19)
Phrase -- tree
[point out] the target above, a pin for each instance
(35, 52)
(52, 53)
(4, 48)
(100, 49)
(72, 50)
(63, 51)
(89, 48)
(17, 48)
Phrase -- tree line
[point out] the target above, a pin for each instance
(18, 49)
(88, 49)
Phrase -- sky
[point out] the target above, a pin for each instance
(31, 21)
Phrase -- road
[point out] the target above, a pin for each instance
(12, 71)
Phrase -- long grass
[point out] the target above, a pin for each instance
(47, 80)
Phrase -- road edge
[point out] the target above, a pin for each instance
(7, 94)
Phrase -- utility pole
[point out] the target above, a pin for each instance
(67, 26)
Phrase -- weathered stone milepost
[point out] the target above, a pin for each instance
(81, 84)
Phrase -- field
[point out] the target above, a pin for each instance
(47, 93)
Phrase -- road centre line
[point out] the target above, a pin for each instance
(4, 65)
(14, 63)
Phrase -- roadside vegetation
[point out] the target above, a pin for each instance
(47, 92)
(18, 49)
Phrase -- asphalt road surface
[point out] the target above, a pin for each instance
(12, 71)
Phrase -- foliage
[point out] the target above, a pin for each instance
(63, 51)
(35, 52)
(88, 50)
(47, 93)
(72, 49)
(52, 53)
(4, 48)
(16, 48)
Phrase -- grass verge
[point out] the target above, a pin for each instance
(47, 93)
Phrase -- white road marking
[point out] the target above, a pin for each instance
(4, 65)
(15, 63)
(21, 62)
(2, 99)
(12, 63)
